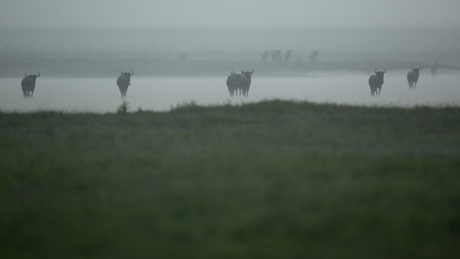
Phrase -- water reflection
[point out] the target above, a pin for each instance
(160, 94)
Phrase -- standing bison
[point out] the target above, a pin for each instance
(28, 85)
(233, 83)
(123, 81)
(245, 82)
(412, 76)
(376, 82)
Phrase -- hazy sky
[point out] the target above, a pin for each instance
(230, 13)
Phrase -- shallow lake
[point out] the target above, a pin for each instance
(162, 93)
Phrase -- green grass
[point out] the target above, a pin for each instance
(275, 179)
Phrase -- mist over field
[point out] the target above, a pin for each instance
(210, 39)
(91, 39)
(89, 52)
(309, 162)
(234, 39)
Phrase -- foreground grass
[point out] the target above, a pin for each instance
(270, 180)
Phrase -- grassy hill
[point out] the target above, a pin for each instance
(275, 179)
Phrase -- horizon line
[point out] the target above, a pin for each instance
(235, 27)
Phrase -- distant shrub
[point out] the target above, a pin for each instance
(123, 108)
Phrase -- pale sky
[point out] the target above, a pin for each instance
(228, 13)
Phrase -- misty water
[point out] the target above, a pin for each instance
(80, 66)
(162, 93)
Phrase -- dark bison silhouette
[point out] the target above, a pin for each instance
(233, 83)
(28, 85)
(412, 77)
(123, 81)
(245, 82)
(376, 82)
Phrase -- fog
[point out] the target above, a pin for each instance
(87, 44)
(189, 39)
(218, 13)
(101, 95)
(223, 25)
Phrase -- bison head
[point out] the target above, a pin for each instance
(247, 73)
(380, 73)
(127, 74)
(34, 76)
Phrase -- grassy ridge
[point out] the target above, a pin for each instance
(275, 179)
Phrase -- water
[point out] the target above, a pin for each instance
(162, 93)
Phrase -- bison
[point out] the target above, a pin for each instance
(123, 81)
(233, 83)
(28, 84)
(245, 82)
(412, 76)
(376, 82)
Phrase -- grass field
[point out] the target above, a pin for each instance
(275, 179)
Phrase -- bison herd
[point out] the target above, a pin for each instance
(237, 84)
(376, 81)
(28, 84)
(277, 57)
